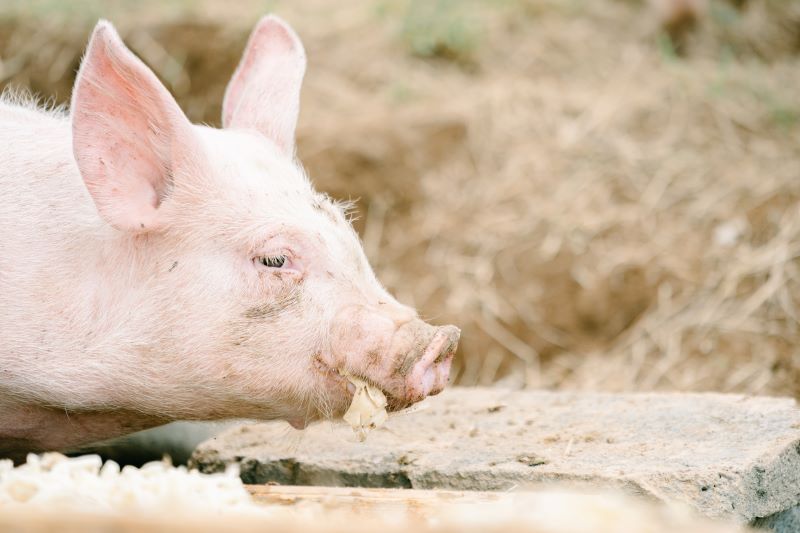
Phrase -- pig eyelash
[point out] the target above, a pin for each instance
(273, 261)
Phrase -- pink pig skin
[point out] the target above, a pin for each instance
(154, 270)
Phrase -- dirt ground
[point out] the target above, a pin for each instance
(599, 199)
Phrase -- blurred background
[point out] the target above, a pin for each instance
(603, 194)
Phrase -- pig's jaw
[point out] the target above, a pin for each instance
(338, 391)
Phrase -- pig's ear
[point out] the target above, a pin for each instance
(264, 93)
(128, 133)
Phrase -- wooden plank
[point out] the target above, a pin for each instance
(333, 510)
(415, 503)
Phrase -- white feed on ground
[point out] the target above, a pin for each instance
(85, 483)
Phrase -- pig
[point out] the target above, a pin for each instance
(154, 270)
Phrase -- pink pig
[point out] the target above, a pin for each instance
(154, 270)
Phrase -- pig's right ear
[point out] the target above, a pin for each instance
(128, 133)
(264, 93)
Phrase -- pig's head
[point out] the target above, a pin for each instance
(248, 290)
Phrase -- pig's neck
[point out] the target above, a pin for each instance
(95, 348)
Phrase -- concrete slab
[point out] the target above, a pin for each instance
(727, 456)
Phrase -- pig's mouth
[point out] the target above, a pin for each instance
(415, 377)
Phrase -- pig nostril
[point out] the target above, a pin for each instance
(448, 349)
(445, 353)
(453, 334)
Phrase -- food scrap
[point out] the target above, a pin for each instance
(367, 410)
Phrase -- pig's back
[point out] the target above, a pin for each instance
(42, 197)
(46, 217)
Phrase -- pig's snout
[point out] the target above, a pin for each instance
(429, 375)
(408, 361)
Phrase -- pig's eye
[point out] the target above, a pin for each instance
(275, 261)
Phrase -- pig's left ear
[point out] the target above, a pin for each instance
(264, 93)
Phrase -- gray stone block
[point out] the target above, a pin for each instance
(784, 522)
(727, 456)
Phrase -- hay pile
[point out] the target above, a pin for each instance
(596, 205)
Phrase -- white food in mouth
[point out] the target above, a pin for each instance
(367, 410)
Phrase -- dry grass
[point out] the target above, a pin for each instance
(597, 206)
